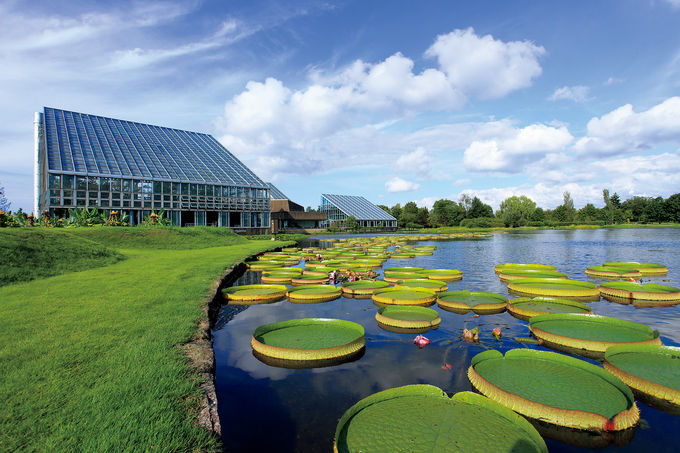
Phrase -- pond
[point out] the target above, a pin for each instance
(265, 408)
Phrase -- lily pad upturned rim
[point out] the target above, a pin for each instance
(354, 333)
(446, 275)
(569, 288)
(313, 292)
(540, 327)
(575, 417)
(428, 283)
(455, 301)
(499, 267)
(645, 268)
(254, 293)
(647, 385)
(426, 317)
(636, 291)
(612, 272)
(419, 392)
(363, 287)
(402, 269)
(423, 296)
(518, 311)
(515, 274)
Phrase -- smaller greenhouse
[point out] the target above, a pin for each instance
(368, 215)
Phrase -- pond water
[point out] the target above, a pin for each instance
(265, 408)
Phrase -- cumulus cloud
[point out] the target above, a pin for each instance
(269, 119)
(517, 148)
(625, 131)
(397, 184)
(417, 162)
(577, 93)
(484, 67)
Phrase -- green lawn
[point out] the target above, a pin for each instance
(89, 360)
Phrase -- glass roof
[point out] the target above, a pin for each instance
(94, 145)
(275, 193)
(359, 207)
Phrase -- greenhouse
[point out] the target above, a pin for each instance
(89, 161)
(368, 215)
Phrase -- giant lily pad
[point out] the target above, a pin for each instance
(647, 269)
(554, 287)
(588, 335)
(408, 317)
(394, 277)
(501, 267)
(422, 418)
(402, 270)
(612, 272)
(507, 275)
(480, 302)
(363, 287)
(636, 291)
(313, 293)
(555, 388)
(263, 265)
(254, 294)
(434, 285)
(404, 296)
(307, 279)
(311, 340)
(525, 308)
(652, 371)
(446, 275)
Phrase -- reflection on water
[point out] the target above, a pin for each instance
(298, 409)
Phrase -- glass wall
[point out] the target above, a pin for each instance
(74, 191)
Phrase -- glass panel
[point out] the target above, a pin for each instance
(55, 182)
(157, 187)
(68, 202)
(93, 195)
(81, 183)
(104, 185)
(166, 187)
(93, 183)
(115, 184)
(67, 181)
(127, 185)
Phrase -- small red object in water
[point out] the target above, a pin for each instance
(475, 316)
(631, 279)
(421, 341)
(497, 333)
(446, 366)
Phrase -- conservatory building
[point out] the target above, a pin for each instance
(368, 215)
(89, 161)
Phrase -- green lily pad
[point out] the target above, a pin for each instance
(310, 339)
(515, 274)
(636, 291)
(313, 293)
(480, 302)
(525, 308)
(427, 283)
(363, 287)
(422, 418)
(404, 296)
(254, 294)
(446, 275)
(644, 268)
(555, 388)
(612, 272)
(501, 267)
(588, 335)
(408, 317)
(652, 371)
(554, 287)
(402, 270)
(307, 279)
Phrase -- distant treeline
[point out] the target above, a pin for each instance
(518, 211)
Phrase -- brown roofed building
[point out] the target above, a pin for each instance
(288, 216)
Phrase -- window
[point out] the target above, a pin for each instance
(67, 181)
(81, 183)
(93, 183)
(55, 182)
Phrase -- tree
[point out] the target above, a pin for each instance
(608, 210)
(409, 214)
(538, 215)
(396, 211)
(568, 203)
(636, 207)
(446, 213)
(479, 209)
(351, 223)
(516, 211)
(385, 208)
(654, 212)
(672, 207)
(4, 204)
(616, 200)
(423, 217)
(465, 201)
(588, 213)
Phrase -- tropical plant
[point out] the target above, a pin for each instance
(85, 217)
(351, 223)
(157, 219)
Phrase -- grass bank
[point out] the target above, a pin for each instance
(89, 360)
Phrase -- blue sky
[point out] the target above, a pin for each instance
(396, 101)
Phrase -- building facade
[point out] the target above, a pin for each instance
(89, 161)
(339, 207)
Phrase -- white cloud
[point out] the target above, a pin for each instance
(485, 67)
(397, 184)
(674, 3)
(625, 131)
(269, 122)
(612, 81)
(577, 93)
(516, 148)
(461, 182)
(417, 162)
(427, 202)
